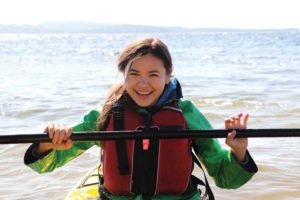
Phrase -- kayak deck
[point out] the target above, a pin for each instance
(87, 189)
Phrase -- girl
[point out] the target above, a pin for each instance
(149, 99)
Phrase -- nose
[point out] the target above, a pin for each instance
(143, 81)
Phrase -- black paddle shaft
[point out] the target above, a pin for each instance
(172, 134)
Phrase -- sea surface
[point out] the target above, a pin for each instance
(59, 77)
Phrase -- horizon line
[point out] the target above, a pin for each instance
(149, 25)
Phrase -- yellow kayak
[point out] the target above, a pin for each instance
(88, 187)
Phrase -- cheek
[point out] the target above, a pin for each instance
(127, 87)
(159, 84)
(130, 82)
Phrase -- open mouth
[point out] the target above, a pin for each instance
(142, 93)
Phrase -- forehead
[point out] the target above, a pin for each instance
(148, 63)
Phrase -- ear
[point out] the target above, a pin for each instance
(168, 78)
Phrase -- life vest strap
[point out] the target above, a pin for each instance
(118, 116)
(208, 191)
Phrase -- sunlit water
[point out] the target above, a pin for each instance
(58, 77)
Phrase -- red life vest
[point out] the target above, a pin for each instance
(165, 167)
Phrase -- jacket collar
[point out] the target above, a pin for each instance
(171, 92)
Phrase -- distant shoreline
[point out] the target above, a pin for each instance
(86, 27)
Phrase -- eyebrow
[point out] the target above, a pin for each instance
(133, 70)
(154, 71)
(150, 72)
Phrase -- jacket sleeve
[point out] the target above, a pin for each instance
(221, 164)
(56, 158)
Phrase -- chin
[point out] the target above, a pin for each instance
(143, 105)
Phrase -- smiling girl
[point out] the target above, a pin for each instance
(149, 99)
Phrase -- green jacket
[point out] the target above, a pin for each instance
(221, 165)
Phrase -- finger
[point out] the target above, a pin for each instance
(229, 119)
(245, 120)
(237, 122)
(61, 135)
(234, 116)
(50, 130)
(228, 123)
(56, 133)
(65, 145)
(230, 137)
(68, 133)
(232, 134)
(68, 144)
(46, 129)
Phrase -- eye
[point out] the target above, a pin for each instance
(133, 73)
(154, 75)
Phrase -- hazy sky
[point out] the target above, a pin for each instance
(186, 13)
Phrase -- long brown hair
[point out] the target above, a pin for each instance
(138, 48)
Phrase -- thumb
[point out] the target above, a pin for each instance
(64, 146)
(68, 143)
(230, 137)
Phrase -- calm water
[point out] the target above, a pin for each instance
(58, 77)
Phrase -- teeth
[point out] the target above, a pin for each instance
(143, 93)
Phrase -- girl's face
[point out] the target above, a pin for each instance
(146, 79)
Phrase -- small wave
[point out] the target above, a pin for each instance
(268, 168)
(295, 111)
(25, 113)
(279, 195)
(230, 103)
